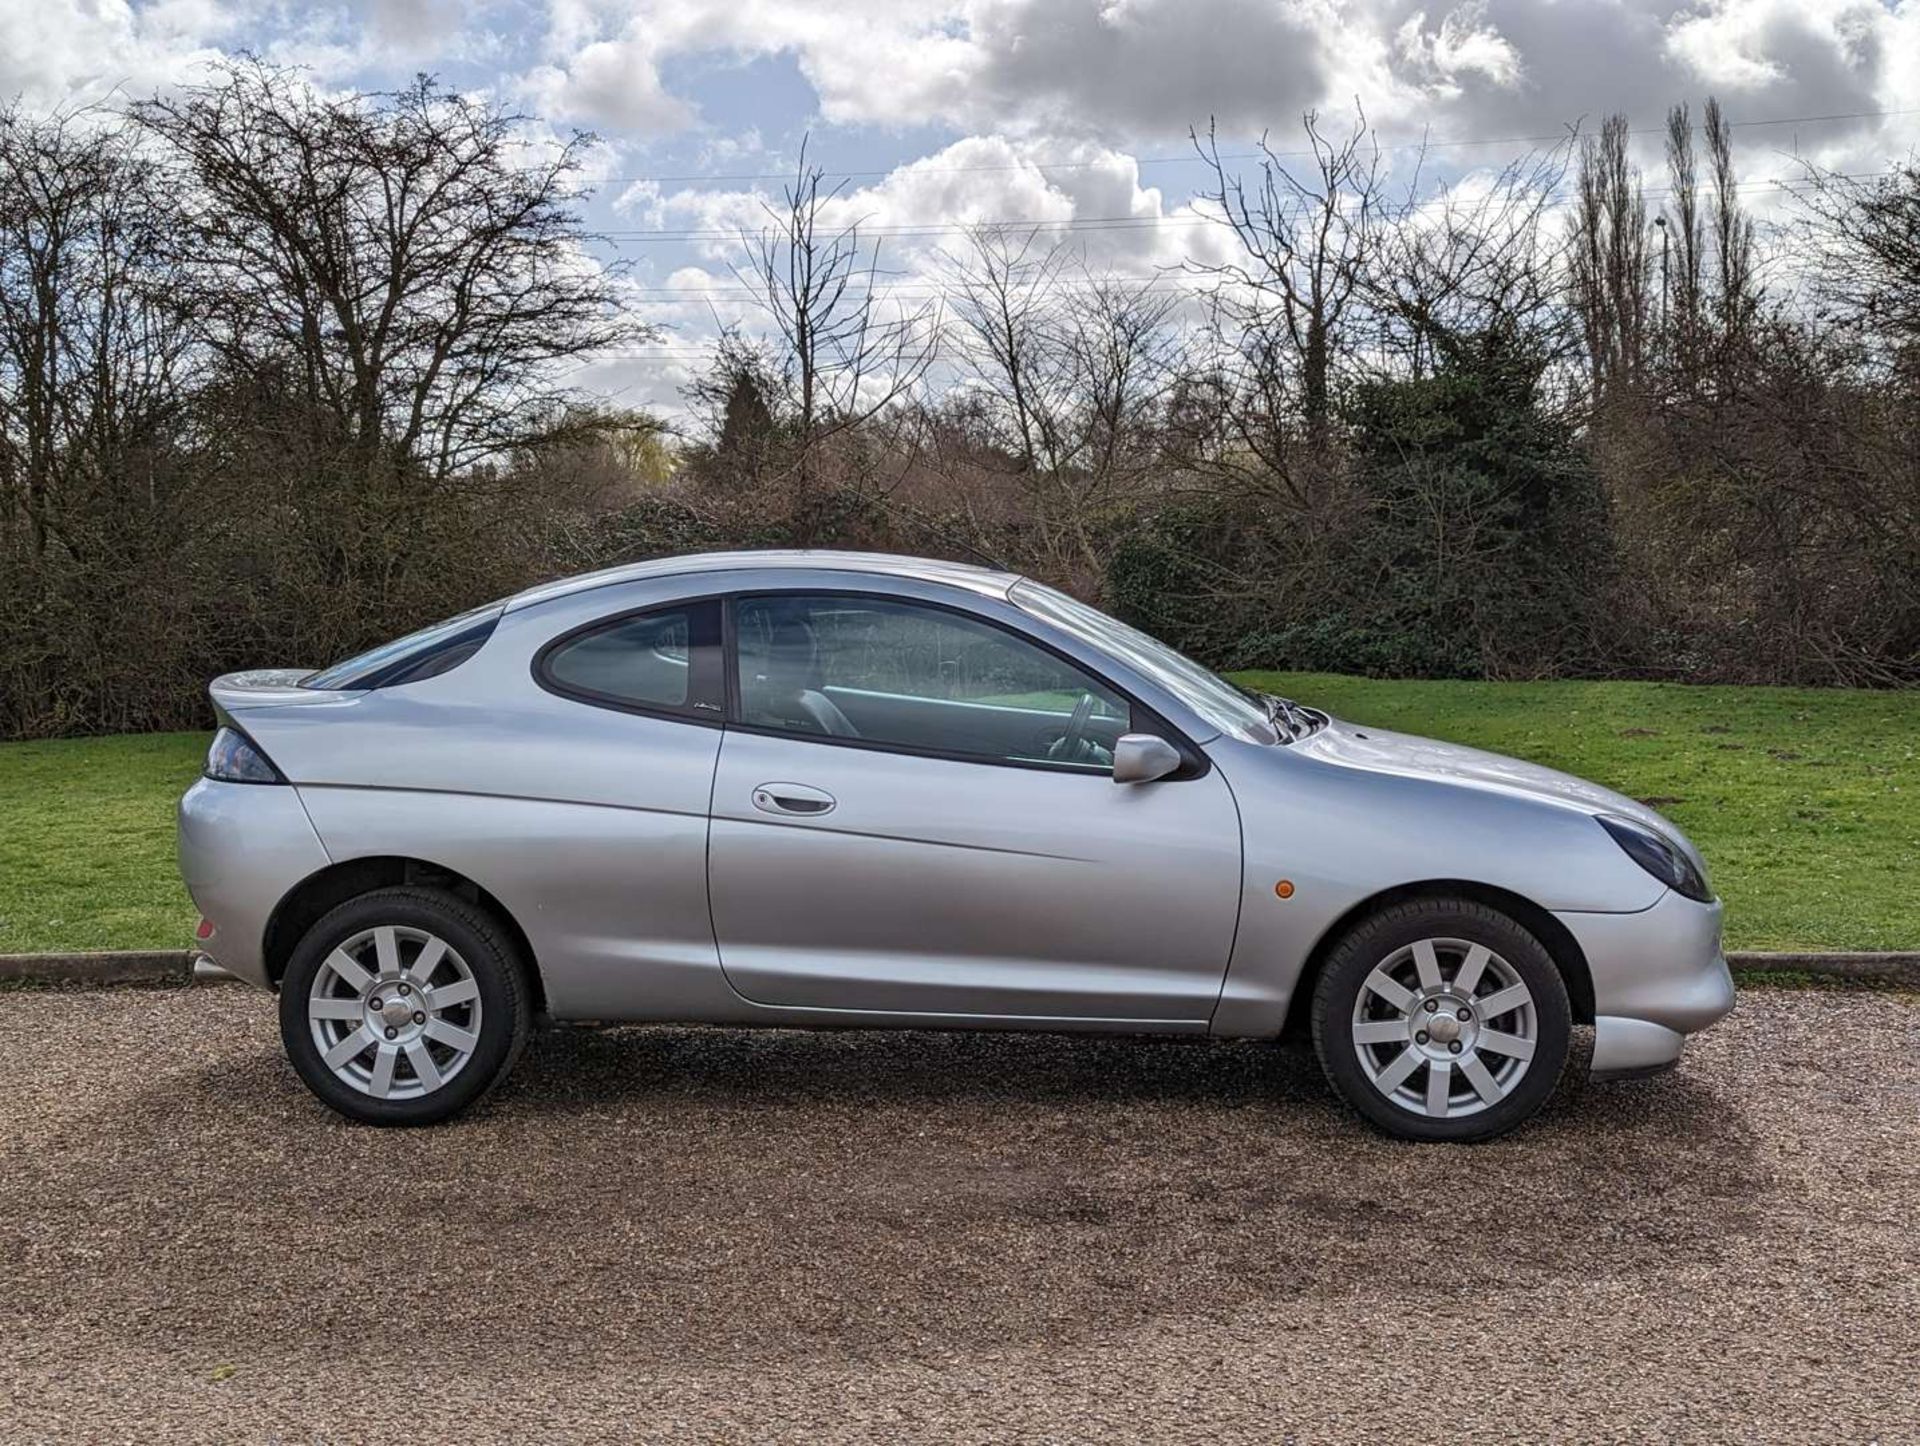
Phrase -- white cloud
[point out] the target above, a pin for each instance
(1461, 50)
(923, 207)
(415, 27)
(1133, 70)
(75, 52)
(613, 83)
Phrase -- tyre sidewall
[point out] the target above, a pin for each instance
(1377, 939)
(496, 972)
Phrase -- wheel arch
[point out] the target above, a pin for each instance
(1553, 935)
(310, 899)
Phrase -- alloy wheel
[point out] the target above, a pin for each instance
(1445, 1028)
(395, 1012)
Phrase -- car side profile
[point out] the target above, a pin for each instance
(826, 789)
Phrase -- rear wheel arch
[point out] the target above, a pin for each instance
(316, 895)
(1554, 937)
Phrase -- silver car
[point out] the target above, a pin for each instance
(838, 789)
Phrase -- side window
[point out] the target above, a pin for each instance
(921, 678)
(425, 654)
(667, 660)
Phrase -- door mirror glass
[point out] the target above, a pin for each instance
(1141, 758)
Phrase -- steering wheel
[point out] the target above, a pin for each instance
(1072, 747)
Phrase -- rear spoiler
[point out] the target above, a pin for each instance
(269, 688)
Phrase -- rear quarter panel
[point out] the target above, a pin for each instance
(589, 825)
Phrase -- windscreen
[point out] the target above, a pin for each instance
(1206, 693)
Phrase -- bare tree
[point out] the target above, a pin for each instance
(1453, 271)
(1866, 236)
(847, 352)
(1070, 370)
(1004, 298)
(413, 267)
(1707, 283)
(1306, 237)
(1125, 358)
(91, 336)
(1609, 264)
(1683, 298)
(1738, 301)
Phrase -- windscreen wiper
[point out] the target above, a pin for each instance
(1299, 722)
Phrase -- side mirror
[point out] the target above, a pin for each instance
(1141, 758)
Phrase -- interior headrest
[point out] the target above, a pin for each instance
(793, 653)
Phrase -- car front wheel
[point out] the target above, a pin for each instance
(403, 1006)
(1442, 1019)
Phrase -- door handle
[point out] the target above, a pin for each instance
(792, 798)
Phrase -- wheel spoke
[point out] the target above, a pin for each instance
(451, 1034)
(1503, 1001)
(347, 1048)
(1427, 963)
(428, 960)
(1378, 1031)
(1384, 986)
(448, 995)
(1439, 1085)
(384, 1060)
(1481, 1079)
(344, 964)
(1501, 1042)
(1395, 1074)
(397, 964)
(421, 1058)
(1471, 968)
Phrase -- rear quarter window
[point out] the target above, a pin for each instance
(424, 654)
(665, 660)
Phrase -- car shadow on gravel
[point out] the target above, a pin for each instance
(662, 1192)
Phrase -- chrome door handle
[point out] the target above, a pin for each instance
(795, 798)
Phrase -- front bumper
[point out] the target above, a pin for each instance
(1658, 976)
(243, 846)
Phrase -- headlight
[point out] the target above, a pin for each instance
(1658, 857)
(236, 758)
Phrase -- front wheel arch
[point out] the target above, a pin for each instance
(1554, 937)
(310, 900)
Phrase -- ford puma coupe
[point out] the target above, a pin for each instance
(838, 789)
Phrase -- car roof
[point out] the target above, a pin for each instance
(985, 580)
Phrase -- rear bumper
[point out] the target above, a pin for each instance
(1658, 976)
(243, 846)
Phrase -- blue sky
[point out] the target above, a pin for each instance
(1062, 111)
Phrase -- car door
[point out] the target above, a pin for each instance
(914, 814)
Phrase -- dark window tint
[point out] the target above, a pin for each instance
(424, 654)
(921, 678)
(668, 659)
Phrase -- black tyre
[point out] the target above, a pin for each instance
(1442, 1019)
(404, 1006)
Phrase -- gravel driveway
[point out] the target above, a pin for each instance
(666, 1233)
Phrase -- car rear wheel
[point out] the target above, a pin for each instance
(1442, 1019)
(403, 1007)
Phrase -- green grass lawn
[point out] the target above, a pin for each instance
(1806, 803)
(86, 842)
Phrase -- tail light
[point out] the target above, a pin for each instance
(236, 758)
